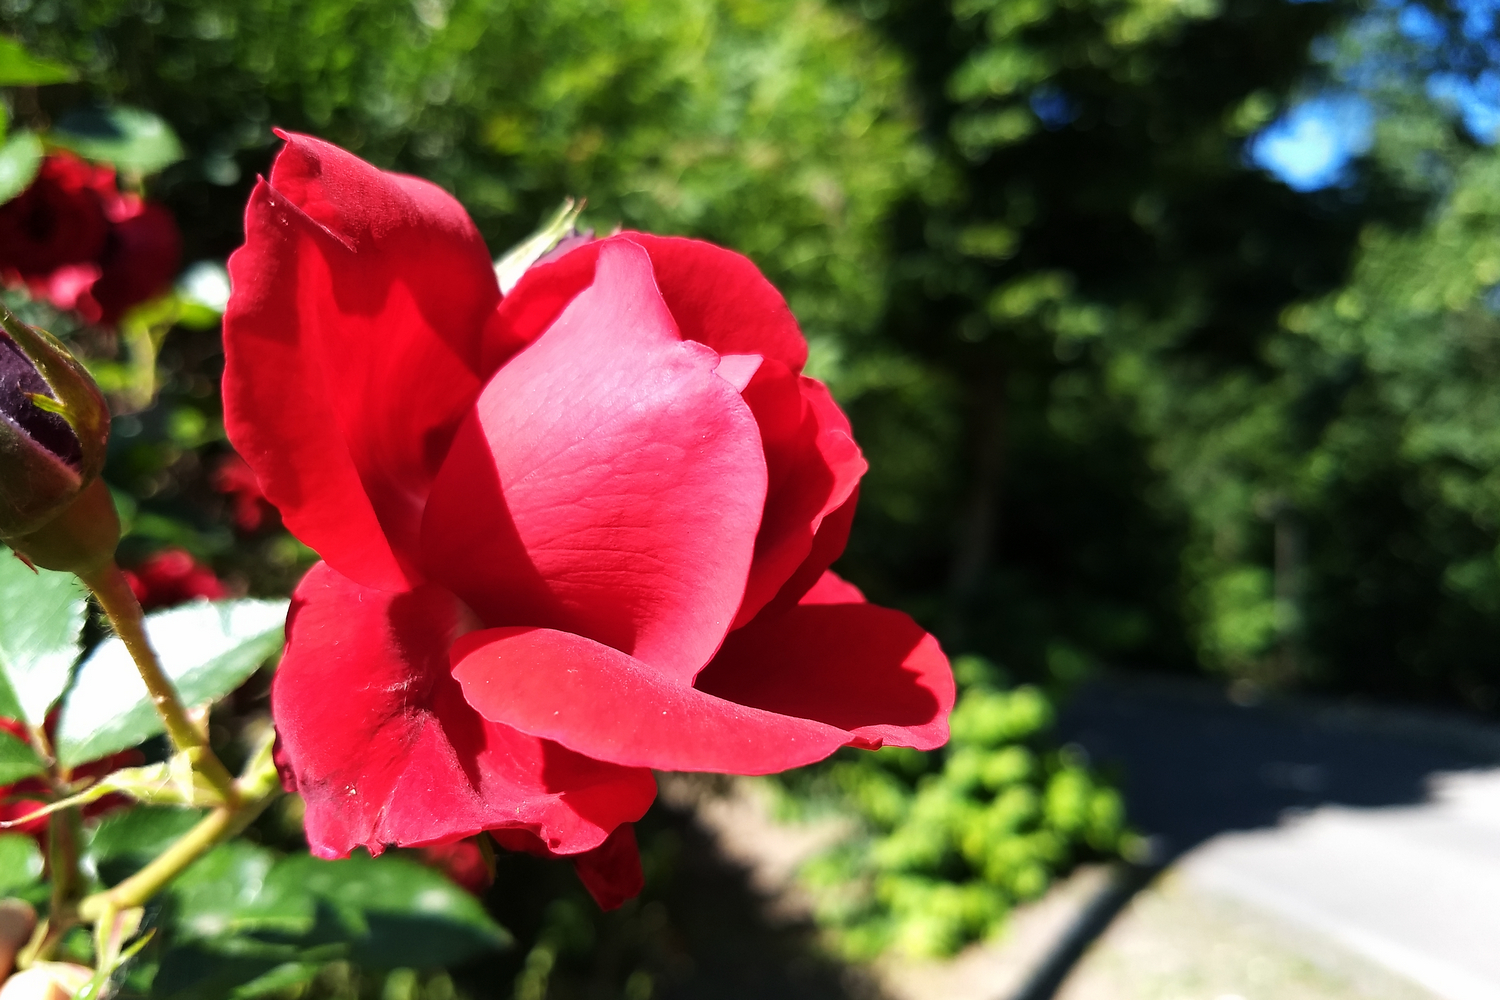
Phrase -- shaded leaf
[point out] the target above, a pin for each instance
(129, 138)
(124, 842)
(41, 614)
(206, 648)
(20, 159)
(226, 892)
(17, 759)
(230, 969)
(19, 68)
(394, 913)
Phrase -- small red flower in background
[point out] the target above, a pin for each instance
(462, 862)
(236, 480)
(568, 537)
(173, 576)
(74, 239)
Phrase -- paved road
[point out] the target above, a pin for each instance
(1380, 830)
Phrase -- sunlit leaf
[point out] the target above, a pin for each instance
(41, 614)
(19, 68)
(206, 648)
(129, 138)
(20, 159)
(20, 862)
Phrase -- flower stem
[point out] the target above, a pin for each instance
(62, 859)
(113, 592)
(252, 793)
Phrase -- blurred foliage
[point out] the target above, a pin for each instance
(950, 841)
(778, 127)
(1097, 222)
(1172, 412)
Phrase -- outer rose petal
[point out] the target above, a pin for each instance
(717, 297)
(610, 872)
(868, 670)
(828, 544)
(608, 484)
(611, 706)
(352, 344)
(384, 749)
(813, 467)
(721, 299)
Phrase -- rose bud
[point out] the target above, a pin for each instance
(54, 426)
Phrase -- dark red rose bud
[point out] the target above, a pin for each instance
(54, 426)
(19, 381)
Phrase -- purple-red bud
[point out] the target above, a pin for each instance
(54, 426)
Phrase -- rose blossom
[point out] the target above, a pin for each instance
(73, 238)
(171, 577)
(567, 537)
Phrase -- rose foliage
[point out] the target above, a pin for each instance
(568, 535)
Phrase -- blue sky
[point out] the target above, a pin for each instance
(1311, 145)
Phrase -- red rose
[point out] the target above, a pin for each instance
(171, 577)
(59, 220)
(568, 537)
(139, 262)
(74, 239)
(236, 480)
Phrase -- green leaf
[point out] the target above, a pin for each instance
(393, 912)
(20, 159)
(207, 649)
(232, 969)
(19, 68)
(41, 614)
(226, 892)
(124, 842)
(17, 759)
(130, 138)
(510, 268)
(248, 924)
(20, 862)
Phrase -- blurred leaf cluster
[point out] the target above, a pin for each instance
(779, 127)
(949, 842)
(246, 920)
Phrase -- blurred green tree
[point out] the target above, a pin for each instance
(779, 127)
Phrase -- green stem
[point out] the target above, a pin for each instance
(224, 822)
(62, 857)
(113, 592)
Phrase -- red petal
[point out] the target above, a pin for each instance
(610, 872)
(541, 295)
(721, 299)
(813, 467)
(828, 544)
(870, 671)
(608, 484)
(716, 296)
(833, 589)
(352, 344)
(611, 706)
(385, 751)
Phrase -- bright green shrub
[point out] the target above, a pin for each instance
(950, 841)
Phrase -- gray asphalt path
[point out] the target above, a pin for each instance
(1379, 829)
(1414, 888)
